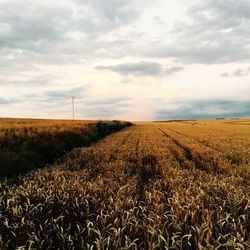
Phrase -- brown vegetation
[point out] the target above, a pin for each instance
(27, 144)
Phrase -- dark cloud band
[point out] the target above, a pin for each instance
(141, 68)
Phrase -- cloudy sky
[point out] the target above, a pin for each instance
(125, 59)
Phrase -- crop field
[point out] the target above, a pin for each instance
(27, 144)
(160, 185)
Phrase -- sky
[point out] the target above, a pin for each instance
(125, 59)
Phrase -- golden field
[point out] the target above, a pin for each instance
(27, 144)
(40, 124)
(162, 185)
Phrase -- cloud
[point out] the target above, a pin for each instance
(109, 101)
(100, 16)
(106, 108)
(62, 95)
(125, 81)
(100, 113)
(62, 32)
(48, 45)
(4, 101)
(24, 80)
(225, 74)
(72, 31)
(9, 101)
(31, 25)
(172, 70)
(56, 96)
(140, 69)
(238, 73)
(37, 26)
(205, 109)
(216, 32)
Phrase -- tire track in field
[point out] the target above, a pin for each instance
(198, 161)
(118, 153)
(186, 150)
(117, 157)
(134, 151)
(132, 173)
(142, 167)
(114, 155)
(229, 158)
(195, 139)
(98, 159)
(132, 161)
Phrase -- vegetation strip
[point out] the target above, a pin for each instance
(31, 146)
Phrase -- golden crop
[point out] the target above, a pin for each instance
(176, 185)
(27, 144)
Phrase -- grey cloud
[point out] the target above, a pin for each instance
(101, 113)
(4, 101)
(59, 95)
(125, 81)
(36, 26)
(32, 34)
(28, 80)
(241, 72)
(109, 101)
(237, 73)
(31, 25)
(8, 101)
(106, 108)
(114, 10)
(225, 74)
(239, 9)
(217, 33)
(140, 68)
(37, 33)
(105, 15)
(56, 96)
(173, 70)
(205, 109)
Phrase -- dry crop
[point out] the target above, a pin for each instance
(27, 144)
(178, 185)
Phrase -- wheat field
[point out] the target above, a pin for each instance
(159, 185)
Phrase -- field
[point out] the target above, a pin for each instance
(171, 185)
(27, 144)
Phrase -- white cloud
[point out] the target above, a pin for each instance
(164, 49)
